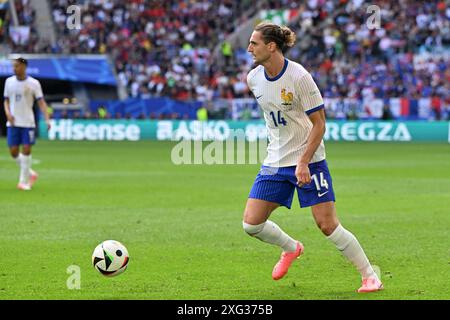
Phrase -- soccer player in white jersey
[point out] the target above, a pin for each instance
(20, 93)
(295, 120)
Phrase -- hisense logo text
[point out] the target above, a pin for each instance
(67, 130)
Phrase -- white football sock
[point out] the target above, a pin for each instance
(18, 160)
(347, 243)
(25, 169)
(271, 233)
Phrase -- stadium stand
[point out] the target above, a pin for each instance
(24, 38)
(400, 59)
(164, 49)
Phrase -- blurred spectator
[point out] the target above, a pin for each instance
(227, 52)
(387, 115)
(102, 113)
(202, 113)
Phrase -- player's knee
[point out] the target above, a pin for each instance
(26, 150)
(252, 229)
(327, 227)
(14, 151)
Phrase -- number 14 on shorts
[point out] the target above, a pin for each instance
(320, 182)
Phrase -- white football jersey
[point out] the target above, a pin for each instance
(21, 95)
(286, 101)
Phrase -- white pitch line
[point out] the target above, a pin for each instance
(33, 161)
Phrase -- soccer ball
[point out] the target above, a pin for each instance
(110, 258)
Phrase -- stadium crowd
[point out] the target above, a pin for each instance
(160, 48)
(165, 48)
(350, 60)
(24, 39)
(406, 55)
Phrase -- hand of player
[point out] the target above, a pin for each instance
(49, 125)
(10, 119)
(302, 173)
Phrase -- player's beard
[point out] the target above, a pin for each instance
(261, 60)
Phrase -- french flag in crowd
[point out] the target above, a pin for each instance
(404, 107)
(410, 108)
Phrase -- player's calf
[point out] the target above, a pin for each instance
(253, 229)
(271, 233)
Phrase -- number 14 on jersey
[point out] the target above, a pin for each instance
(279, 119)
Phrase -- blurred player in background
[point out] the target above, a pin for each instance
(295, 118)
(20, 93)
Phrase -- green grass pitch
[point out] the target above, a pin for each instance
(182, 225)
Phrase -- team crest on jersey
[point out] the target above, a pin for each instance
(287, 98)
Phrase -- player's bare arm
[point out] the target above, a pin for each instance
(43, 106)
(9, 116)
(315, 137)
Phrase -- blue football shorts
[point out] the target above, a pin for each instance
(278, 185)
(20, 136)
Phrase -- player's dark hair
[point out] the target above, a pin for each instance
(22, 60)
(281, 35)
